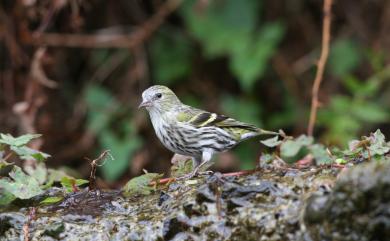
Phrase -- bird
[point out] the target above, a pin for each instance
(193, 132)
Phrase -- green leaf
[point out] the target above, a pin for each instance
(69, 183)
(378, 144)
(6, 197)
(17, 141)
(20, 185)
(51, 200)
(56, 175)
(272, 142)
(290, 148)
(140, 185)
(39, 172)
(340, 161)
(320, 154)
(27, 153)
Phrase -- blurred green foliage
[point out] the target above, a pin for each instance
(236, 31)
(171, 56)
(345, 56)
(346, 114)
(254, 60)
(231, 28)
(113, 131)
(246, 110)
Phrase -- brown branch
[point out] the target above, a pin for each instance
(38, 73)
(26, 226)
(94, 164)
(132, 40)
(321, 65)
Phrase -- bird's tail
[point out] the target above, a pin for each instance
(265, 132)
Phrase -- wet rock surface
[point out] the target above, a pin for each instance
(358, 208)
(266, 205)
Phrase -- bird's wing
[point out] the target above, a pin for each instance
(199, 118)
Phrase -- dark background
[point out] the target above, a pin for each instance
(253, 60)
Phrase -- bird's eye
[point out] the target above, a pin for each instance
(159, 95)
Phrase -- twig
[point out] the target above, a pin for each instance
(94, 164)
(107, 41)
(26, 226)
(7, 157)
(37, 72)
(321, 65)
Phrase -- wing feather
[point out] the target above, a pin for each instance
(199, 118)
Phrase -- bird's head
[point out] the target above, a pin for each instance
(160, 98)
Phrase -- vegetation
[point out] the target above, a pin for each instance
(254, 60)
(32, 182)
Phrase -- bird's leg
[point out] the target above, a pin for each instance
(198, 163)
(206, 157)
(196, 171)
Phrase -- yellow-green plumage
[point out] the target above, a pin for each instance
(193, 132)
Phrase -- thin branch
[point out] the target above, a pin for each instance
(26, 226)
(94, 164)
(132, 40)
(321, 65)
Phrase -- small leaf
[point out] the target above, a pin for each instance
(51, 200)
(320, 154)
(340, 161)
(291, 148)
(39, 172)
(17, 141)
(26, 153)
(140, 185)
(70, 183)
(378, 145)
(80, 182)
(6, 197)
(272, 142)
(20, 184)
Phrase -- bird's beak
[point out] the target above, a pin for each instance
(145, 104)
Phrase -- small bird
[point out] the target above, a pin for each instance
(193, 132)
